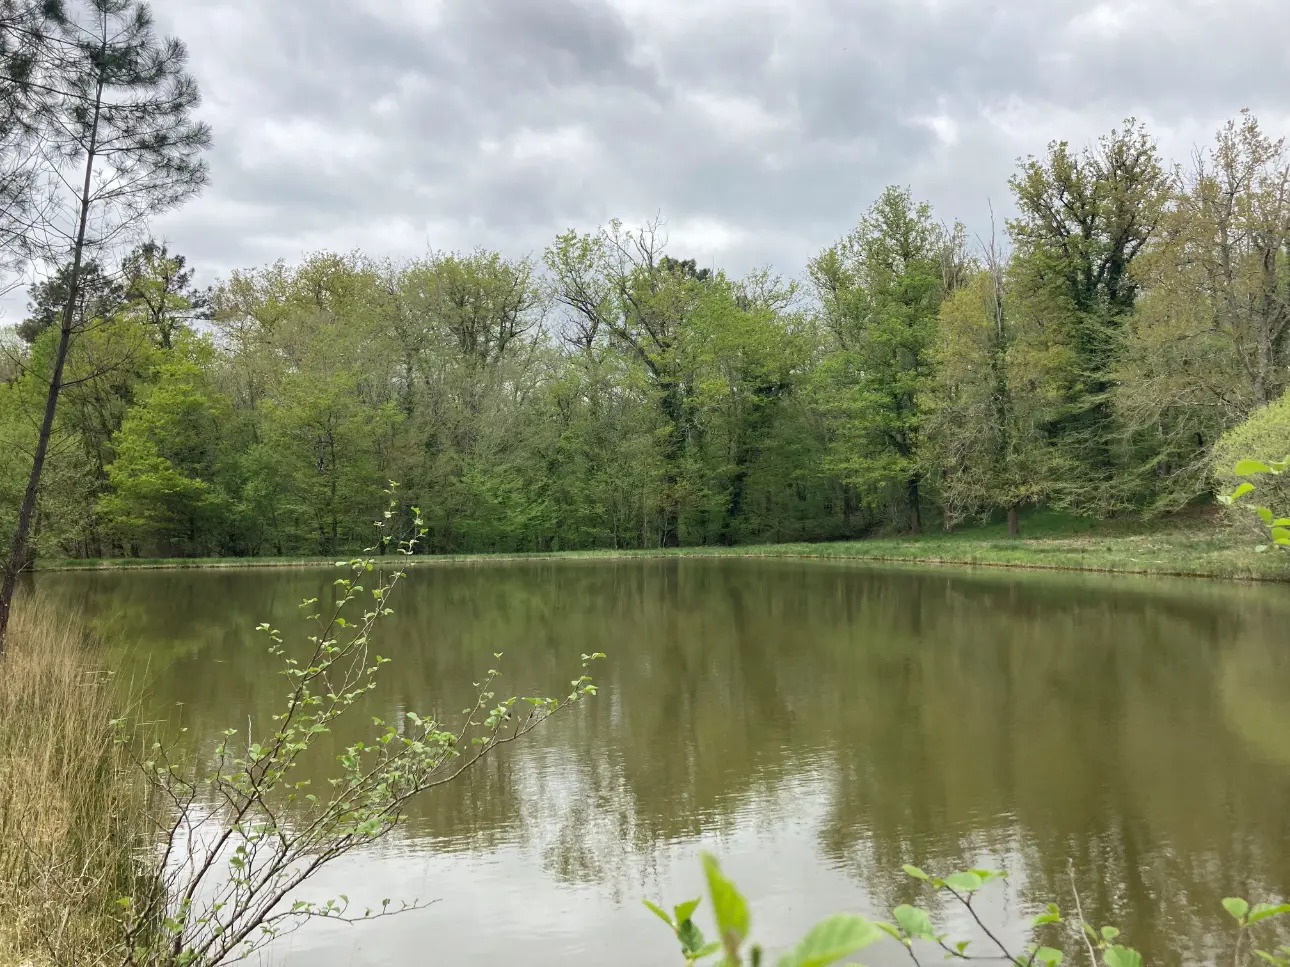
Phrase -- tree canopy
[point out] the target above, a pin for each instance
(614, 393)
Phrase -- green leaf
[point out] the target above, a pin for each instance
(707, 950)
(1263, 911)
(1265, 515)
(1110, 933)
(1243, 488)
(830, 940)
(1051, 914)
(966, 881)
(1237, 907)
(728, 905)
(1247, 467)
(915, 872)
(691, 937)
(890, 929)
(660, 913)
(916, 922)
(1118, 956)
(684, 911)
(1049, 955)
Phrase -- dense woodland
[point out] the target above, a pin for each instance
(611, 393)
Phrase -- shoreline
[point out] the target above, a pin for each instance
(1175, 555)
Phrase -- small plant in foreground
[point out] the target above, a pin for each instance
(1277, 528)
(246, 833)
(837, 937)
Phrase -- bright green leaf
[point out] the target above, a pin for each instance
(830, 940)
(683, 911)
(890, 929)
(1237, 907)
(1048, 955)
(916, 922)
(660, 913)
(1118, 956)
(915, 872)
(966, 881)
(1247, 467)
(728, 905)
(1262, 911)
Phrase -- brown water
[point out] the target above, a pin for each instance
(816, 724)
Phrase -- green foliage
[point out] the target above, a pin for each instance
(839, 936)
(1253, 448)
(881, 288)
(229, 875)
(828, 942)
(1083, 219)
(618, 396)
(164, 493)
(1276, 528)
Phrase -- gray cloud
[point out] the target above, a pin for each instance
(760, 129)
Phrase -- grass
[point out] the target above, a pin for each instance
(71, 814)
(1189, 546)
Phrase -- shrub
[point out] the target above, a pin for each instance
(1264, 437)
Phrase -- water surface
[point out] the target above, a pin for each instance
(817, 724)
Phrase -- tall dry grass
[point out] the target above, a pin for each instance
(73, 817)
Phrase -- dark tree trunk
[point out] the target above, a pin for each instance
(673, 411)
(915, 505)
(1014, 520)
(18, 552)
(735, 506)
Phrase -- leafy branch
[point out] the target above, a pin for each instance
(246, 833)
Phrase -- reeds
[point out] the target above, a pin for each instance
(73, 815)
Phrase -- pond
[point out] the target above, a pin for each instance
(816, 724)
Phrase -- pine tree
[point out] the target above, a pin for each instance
(112, 109)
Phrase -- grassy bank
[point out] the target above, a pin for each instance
(1196, 546)
(71, 814)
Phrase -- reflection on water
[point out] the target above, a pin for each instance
(817, 724)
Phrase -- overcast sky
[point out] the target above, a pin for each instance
(759, 130)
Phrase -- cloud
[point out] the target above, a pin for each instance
(760, 129)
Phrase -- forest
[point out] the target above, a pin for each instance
(1088, 354)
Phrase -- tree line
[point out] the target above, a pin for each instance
(1088, 354)
(610, 394)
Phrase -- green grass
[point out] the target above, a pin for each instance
(1195, 546)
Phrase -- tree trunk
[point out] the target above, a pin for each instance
(674, 451)
(1264, 365)
(735, 505)
(849, 508)
(915, 505)
(671, 534)
(1014, 520)
(18, 549)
